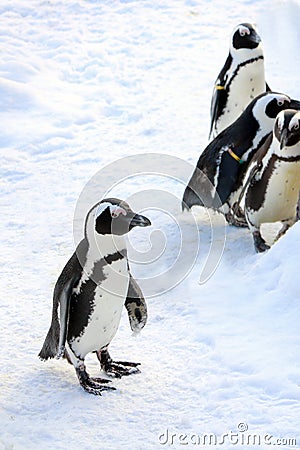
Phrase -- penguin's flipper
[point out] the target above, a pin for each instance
(218, 102)
(54, 344)
(256, 161)
(235, 216)
(219, 95)
(136, 306)
(229, 170)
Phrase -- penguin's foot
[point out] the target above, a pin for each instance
(285, 226)
(236, 221)
(298, 210)
(119, 369)
(94, 388)
(116, 369)
(92, 385)
(259, 243)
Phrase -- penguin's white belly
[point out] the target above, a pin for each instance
(281, 195)
(245, 86)
(104, 320)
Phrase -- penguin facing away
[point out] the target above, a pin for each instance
(219, 175)
(241, 79)
(274, 180)
(90, 293)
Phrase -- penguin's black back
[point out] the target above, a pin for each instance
(238, 136)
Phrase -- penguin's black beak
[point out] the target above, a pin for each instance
(139, 221)
(283, 139)
(294, 104)
(254, 37)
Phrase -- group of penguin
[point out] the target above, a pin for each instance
(253, 158)
(254, 154)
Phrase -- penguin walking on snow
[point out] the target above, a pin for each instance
(241, 79)
(90, 294)
(274, 180)
(219, 175)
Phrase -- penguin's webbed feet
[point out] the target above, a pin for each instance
(92, 385)
(116, 369)
(259, 243)
(119, 369)
(236, 219)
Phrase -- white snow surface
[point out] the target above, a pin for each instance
(84, 83)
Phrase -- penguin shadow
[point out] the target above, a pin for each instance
(57, 380)
(239, 242)
(54, 378)
(209, 224)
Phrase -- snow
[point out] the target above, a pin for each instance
(85, 86)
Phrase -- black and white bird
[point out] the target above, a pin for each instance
(91, 291)
(241, 79)
(274, 180)
(219, 175)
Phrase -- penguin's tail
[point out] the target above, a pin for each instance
(50, 346)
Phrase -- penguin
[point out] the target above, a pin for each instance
(241, 79)
(90, 293)
(219, 175)
(274, 181)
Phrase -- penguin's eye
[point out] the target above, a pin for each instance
(117, 211)
(296, 126)
(280, 102)
(244, 31)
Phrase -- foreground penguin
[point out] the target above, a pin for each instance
(218, 178)
(90, 294)
(274, 180)
(241, 79)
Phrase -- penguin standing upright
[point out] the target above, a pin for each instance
(241, 79)
(90, 294)
(219, 175)
(274, 179)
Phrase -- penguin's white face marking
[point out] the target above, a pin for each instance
(115, 211)
(243, 30)
(295, 122)
(287, 133)
(280, 101)
(289, 120)
(267, 107)
(279, 121)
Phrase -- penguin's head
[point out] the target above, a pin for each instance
(113, 216)
(266, 106)
(245, 36)
(287, 128)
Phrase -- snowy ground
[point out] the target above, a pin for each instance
(83, 84)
